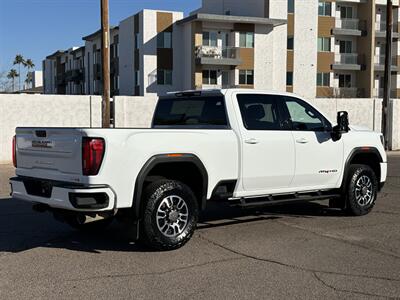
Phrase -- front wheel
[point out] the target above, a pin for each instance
(361, 191)
(170, 215)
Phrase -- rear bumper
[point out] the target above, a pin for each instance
(66, 196)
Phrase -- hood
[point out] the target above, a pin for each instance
(359, 128)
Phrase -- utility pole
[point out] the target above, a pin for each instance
(105, 59)
(388, 72)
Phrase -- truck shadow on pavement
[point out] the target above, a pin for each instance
(21, 229)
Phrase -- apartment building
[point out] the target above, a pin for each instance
(93, 63)
(326, 48)
(222, 44)
(339, 45)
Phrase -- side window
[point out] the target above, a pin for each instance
(304, 117)
(259, 112)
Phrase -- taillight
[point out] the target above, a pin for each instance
(14, 151)
(92, 155)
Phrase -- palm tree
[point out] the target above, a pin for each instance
(12, 75)
(30, 65)
(28, 80)
(19, 59)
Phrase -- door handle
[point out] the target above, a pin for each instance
(251, 141)
(302, 141)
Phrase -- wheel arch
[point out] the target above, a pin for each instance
(369, 156)
(157, 167)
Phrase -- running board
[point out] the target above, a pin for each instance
(281, 199)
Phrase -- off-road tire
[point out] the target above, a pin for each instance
(355, 174)
(154, 194)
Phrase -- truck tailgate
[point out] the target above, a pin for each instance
(50, 151)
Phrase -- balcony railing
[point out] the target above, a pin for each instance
(378, 93)
(348, 92)
(350, 24)
(217, 52)
(226, 55)
(348, 59)
(381, 27)
(380, 60)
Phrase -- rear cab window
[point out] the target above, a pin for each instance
(191, 112)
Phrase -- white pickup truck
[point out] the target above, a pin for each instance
(248, 147)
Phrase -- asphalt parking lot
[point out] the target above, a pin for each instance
(293, 251)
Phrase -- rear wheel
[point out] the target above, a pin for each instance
(362, 188)
(170, 215)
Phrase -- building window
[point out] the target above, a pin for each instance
(325, 9)
(290, 43)
(324, 44)
(346, 12)
(164, 77)
(289, 78)
(210, 38)
(164, 40)
(345, 81)
(210, 77)
(345, 47)
(246, 77)
(137, 78)
(246, 40)
(323, 79)
(290, 6)
(136, 40)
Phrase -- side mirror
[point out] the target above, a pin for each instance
(343, 121)
(342, 125)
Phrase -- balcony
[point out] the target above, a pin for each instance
(378, 93)
(209, 55)
(380, 30)
(379, 61)
(348, 61)
(353, 27)
(349, 92)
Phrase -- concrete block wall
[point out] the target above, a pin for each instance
(137, 112)
(134, 112)
(44, 110)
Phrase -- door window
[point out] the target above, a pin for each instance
(259, 112)
(346, 12)
(344, 80)
(303, 117)
(210, 38)
(346, 47)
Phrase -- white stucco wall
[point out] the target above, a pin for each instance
(137, 112)
(44, 110)
(305, 45)
(254, 8)
(126, 56)
(134, 112)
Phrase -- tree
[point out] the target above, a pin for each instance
(30, 65)
(5, 83)
(19, 59)
(12, 75)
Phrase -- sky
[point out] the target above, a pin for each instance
(37, 28)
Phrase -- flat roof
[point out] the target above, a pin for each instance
(55, 54)
(95, 34)
(232, 19)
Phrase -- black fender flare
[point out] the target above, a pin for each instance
(354, 153)
(167, 158)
